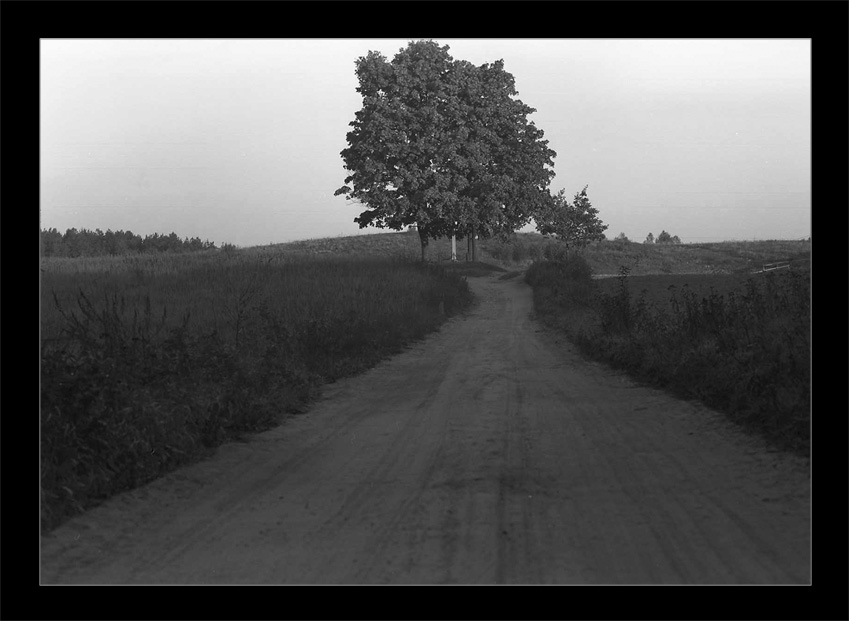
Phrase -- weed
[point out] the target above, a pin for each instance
(136, 380)
(745, 351)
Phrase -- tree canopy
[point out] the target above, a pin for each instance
(575, 224)
(666, 238)
(86, 243)
(444, 144)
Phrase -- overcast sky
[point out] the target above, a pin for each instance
(238, 140)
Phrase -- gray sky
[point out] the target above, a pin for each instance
(238, 140)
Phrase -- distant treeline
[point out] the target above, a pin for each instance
(85, 243)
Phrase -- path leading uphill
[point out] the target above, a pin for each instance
(487, 453)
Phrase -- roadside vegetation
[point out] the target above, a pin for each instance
(607, 256)
(738, 341)
(149, 362)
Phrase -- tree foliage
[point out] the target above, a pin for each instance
(666, 238)
(576, 224)
(444, 144)
(85, 243)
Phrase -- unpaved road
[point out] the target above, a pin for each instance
(487, 453)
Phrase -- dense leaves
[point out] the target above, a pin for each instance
(445, 145)
(666, 238)
(85, 243)
(575, 224)
(663, 238)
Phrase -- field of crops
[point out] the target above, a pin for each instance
(148, 362)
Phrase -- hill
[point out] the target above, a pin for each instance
(605, 258)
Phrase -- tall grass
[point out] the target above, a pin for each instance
(148, 363)
(745, 352)
(607, 256)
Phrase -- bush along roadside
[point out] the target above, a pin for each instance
(127, 396)
(120, 406)
(746, 354)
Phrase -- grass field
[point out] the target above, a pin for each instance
(404, 244)
(148, 362)
(738, 341)
(658, 289)
(645, 259)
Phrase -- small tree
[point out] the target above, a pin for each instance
(649, 239)
(666, 238)
(575, 224)
(621, 238)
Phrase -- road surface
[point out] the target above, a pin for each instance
(488, 453)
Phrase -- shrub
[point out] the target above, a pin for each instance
(555, 252)
(570, 280)
(510, 249)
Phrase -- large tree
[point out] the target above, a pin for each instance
(443, 144)
(502, 155)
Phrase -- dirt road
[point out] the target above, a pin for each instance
(488, 453)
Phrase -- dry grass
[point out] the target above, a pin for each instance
(741, 344)
(396, 244)
(642, 259)
(150, 362)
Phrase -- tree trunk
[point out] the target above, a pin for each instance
(424, 240)
(453, 247)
